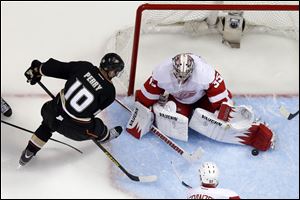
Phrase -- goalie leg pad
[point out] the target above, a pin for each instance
(173, 124)
(140, 121)
(257, 135)
(208, 124)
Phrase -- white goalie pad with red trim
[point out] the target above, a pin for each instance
(242, 130)
(173, 124)
(140, 121)
(208, 124)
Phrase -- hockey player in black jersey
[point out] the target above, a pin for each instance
(87, 91)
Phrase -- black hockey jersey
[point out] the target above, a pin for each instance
(86, 91)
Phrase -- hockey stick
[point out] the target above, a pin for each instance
(190, 157)
(15, 126)
(132, 177)
(46, 89)
(179, 177)
(284, 112)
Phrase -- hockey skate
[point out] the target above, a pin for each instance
(113, 133)
(25, 157)
(5, 108)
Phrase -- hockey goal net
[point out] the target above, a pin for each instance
(197, 19)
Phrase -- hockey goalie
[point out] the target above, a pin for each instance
(186, 92)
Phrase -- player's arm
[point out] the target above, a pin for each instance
(149, 93)
(233, 195)
(217, 92)
(52, 68)
(62, 70)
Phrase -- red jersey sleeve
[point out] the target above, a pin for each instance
(235, 197)
(149, 93)
(217, 92)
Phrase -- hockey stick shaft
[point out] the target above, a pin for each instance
(26, 130)
(132, 177)
(190, 157)
(293, 115)
(46, 89)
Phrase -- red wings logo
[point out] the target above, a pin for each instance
(184, 94)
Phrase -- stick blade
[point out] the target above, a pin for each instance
(147, 178)
(198, 154)
(283, 111)
(194, 156)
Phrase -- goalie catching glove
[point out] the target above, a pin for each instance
(239, 127)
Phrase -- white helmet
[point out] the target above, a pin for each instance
(183, 65)
(209, 173)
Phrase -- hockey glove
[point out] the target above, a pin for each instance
(33, 72)
(163, 99)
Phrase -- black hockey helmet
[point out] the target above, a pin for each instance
(112, 62)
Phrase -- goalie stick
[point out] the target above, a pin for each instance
(129, 175)
(190, 157)
(179, 177)
(284, 112)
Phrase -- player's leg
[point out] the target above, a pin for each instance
(94, 129)
(103, 134)
(42, 134)
(37, 141)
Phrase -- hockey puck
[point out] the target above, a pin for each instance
(254, 152)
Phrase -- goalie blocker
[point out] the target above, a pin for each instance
(140, 121)
(233, 124)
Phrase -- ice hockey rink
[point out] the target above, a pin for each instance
(263, 73)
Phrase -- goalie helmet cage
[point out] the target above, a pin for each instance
(199, 18)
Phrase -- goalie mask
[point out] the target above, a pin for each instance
(183, 65)
(209, 173)
(112, 64)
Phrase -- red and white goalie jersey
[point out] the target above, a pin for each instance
(204, 81)
(211, 193)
